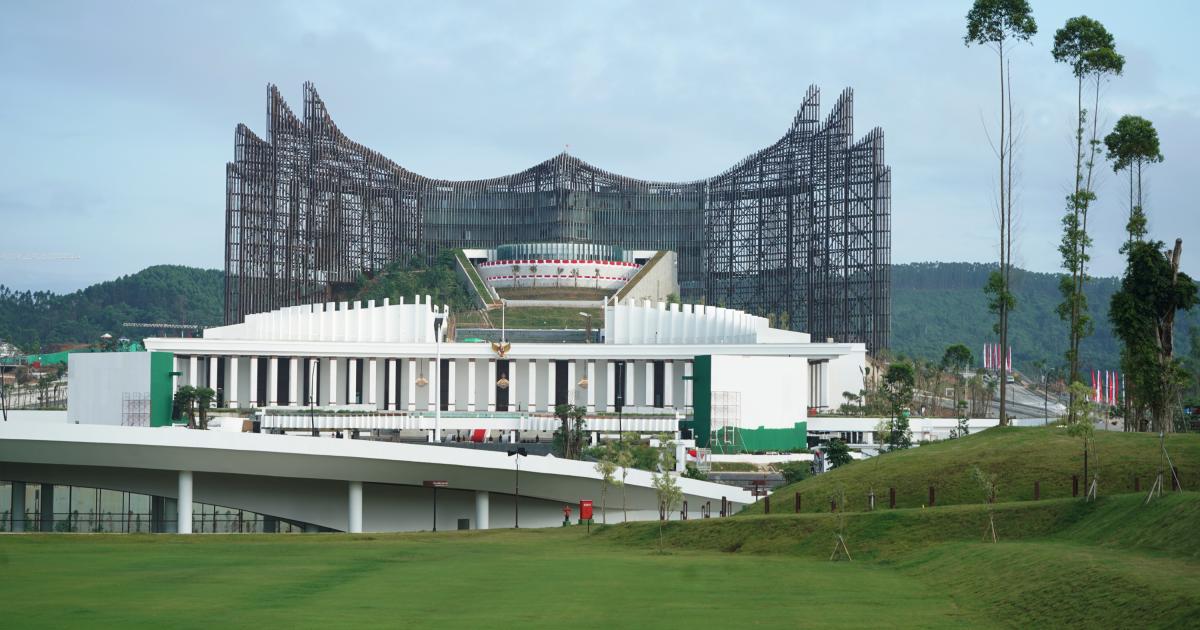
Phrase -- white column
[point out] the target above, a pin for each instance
(254, 382)
(531, 405)
(352, 381)
(551, 377)
(611, 385)
(410, 384)
(213, 362)
(193, 371)
(649, 383)
(433, 383)
(572, 382)
(452, 386)
(354, 508)
(629, 400)
(471, 385)
(334, 366)
(391, 384)
(294, 381)
(481, 509)
(511, 375)
(688, 370)
(668, 384)
(591, 388)
(176, 366)
(491, 386)
(372, 379)
(184, 504)
(231, 392)
(272, 382)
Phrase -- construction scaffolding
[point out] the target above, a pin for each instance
(799, 231)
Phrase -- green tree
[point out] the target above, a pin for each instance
(204, 397)
(1132, 145)
(666, 488)
(1143, 313)
(625, 459)
(957, 360)
(606, 465)
(185, 398)
(995, 23)
(898, 383)
(569, 438)
(838, 453)
(1089, 49)
(793, 471)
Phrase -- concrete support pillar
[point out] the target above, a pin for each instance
(591, 388)
(255, 395)
(410, 380)
(354, 506)
(510, 373)
(668, 384)
(272, 397)
(611, 383)
(372, 377)
(435, 385)
(491, 386)
(471, 385)
(572, 383)
(194, 371)
(294, 381)
(46, 509)
(481, 509)
(649, 383)
(213, 362)
(18, 506)
(629, 400)
(334, 367)
(391, 384)
(184, 503)
(452, 386)
(551, 377)
(231, 392)
(532, 402)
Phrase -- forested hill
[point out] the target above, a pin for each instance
(933, 305)
(161, 294)
(938, 304)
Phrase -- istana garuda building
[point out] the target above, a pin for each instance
(799, 231)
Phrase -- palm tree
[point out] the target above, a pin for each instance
(558, 277)
(575, 275)
(533, 273)
(597, 272)
(516, 269)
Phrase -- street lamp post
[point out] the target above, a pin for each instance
(519, 453)
(437, 380)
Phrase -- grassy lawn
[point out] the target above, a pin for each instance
(1059, 563)
(540, 578)
(536, 317)
(1017, 456)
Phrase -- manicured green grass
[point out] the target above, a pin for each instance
(547, 578)
(1113, 563)
(536, 317)
(1017, 456)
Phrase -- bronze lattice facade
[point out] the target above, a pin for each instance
(800, 231)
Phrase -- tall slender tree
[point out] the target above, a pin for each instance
(1088, 48)
(997, 23)
(1132, 145)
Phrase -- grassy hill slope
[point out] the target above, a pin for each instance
(1061, 563)
(1018, 456)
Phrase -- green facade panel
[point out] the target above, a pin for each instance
(161, 366)
(702, 399)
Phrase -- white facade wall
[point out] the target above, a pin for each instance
(774, 392)
(593, 274)
(100, 382)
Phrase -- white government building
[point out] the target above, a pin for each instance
(384, 373)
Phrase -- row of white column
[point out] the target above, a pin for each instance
(404, 376)
(354, 505)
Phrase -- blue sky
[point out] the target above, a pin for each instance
(117, 118)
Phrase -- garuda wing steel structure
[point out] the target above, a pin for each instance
(800, 230)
